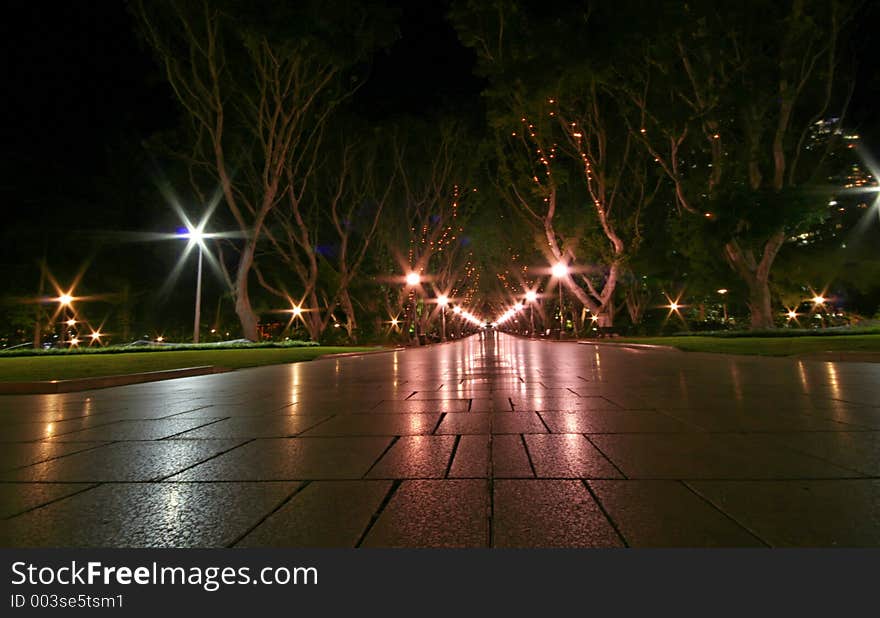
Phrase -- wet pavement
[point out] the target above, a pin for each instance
(492, 441)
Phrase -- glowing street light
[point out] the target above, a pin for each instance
(723, 292)
(792, 314)
(674, 306)
(196, 235)
(71, 322)
(531, 297)
(560, 271)
(819, 300)
(413, 279)
(64, 300)
(456, 310)
(297, 311)
(443, 300)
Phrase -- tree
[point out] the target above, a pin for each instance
(724, 99)
(565, 157)
(258, 88)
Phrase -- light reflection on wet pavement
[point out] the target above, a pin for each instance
(490, 441)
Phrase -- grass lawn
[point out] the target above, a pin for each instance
(765, 346)
(67, 366)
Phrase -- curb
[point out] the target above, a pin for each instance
(86, 384)
(842, 356)
(623, 344)
(346, 354)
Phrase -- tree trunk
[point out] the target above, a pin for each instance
(756, 275)
(243, 308)
(350, 319)
(760, 307)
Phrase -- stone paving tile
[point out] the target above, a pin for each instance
(27, 453)
(324, 514)
(567, 456)
(496, 404)
(132, 430)
(291, 459)
(541, 404)
(465, 423)
(812, 513)
(344, 405)
(148, 515)
(254, 427)
(751, 421)
(448, 513)
(419, 406)
(376, 425)
(708, 456)
(667, 514)
(471, 458)
(18, 497)
(415, 457)
(255, 408)
(123, 461)
(509, 458)
(614, 421)
(29, 432)
(854, 417)
(548, 513)
(519, 422)
(859, 450)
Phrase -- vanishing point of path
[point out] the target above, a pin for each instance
(490, 441)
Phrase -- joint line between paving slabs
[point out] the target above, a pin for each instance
(439, 422)
(159, 479)
(270, 513)
(381, 455)
(174, 435)
(87, 487)
(91, 448)
(724, 513)
(607, 515)
(522, 439)
(543, 422)
(491, 480)
(452, 456)
(607, 458)
(395, 485)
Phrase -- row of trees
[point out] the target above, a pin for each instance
(320, 200)
(621, 141)
(611, 117)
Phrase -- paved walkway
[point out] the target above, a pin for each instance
(493, 441)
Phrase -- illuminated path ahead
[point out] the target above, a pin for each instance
(492, 441)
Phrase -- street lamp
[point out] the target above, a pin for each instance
(412, 280)
(531, 297)
(196, 235)
(443, 300)
(560, 271)
(723, 292)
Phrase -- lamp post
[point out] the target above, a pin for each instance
(531, 297)
(65, 301)
(723, 292)
(560, 271)
(196, 235)
(412, 280)
(443, 300)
